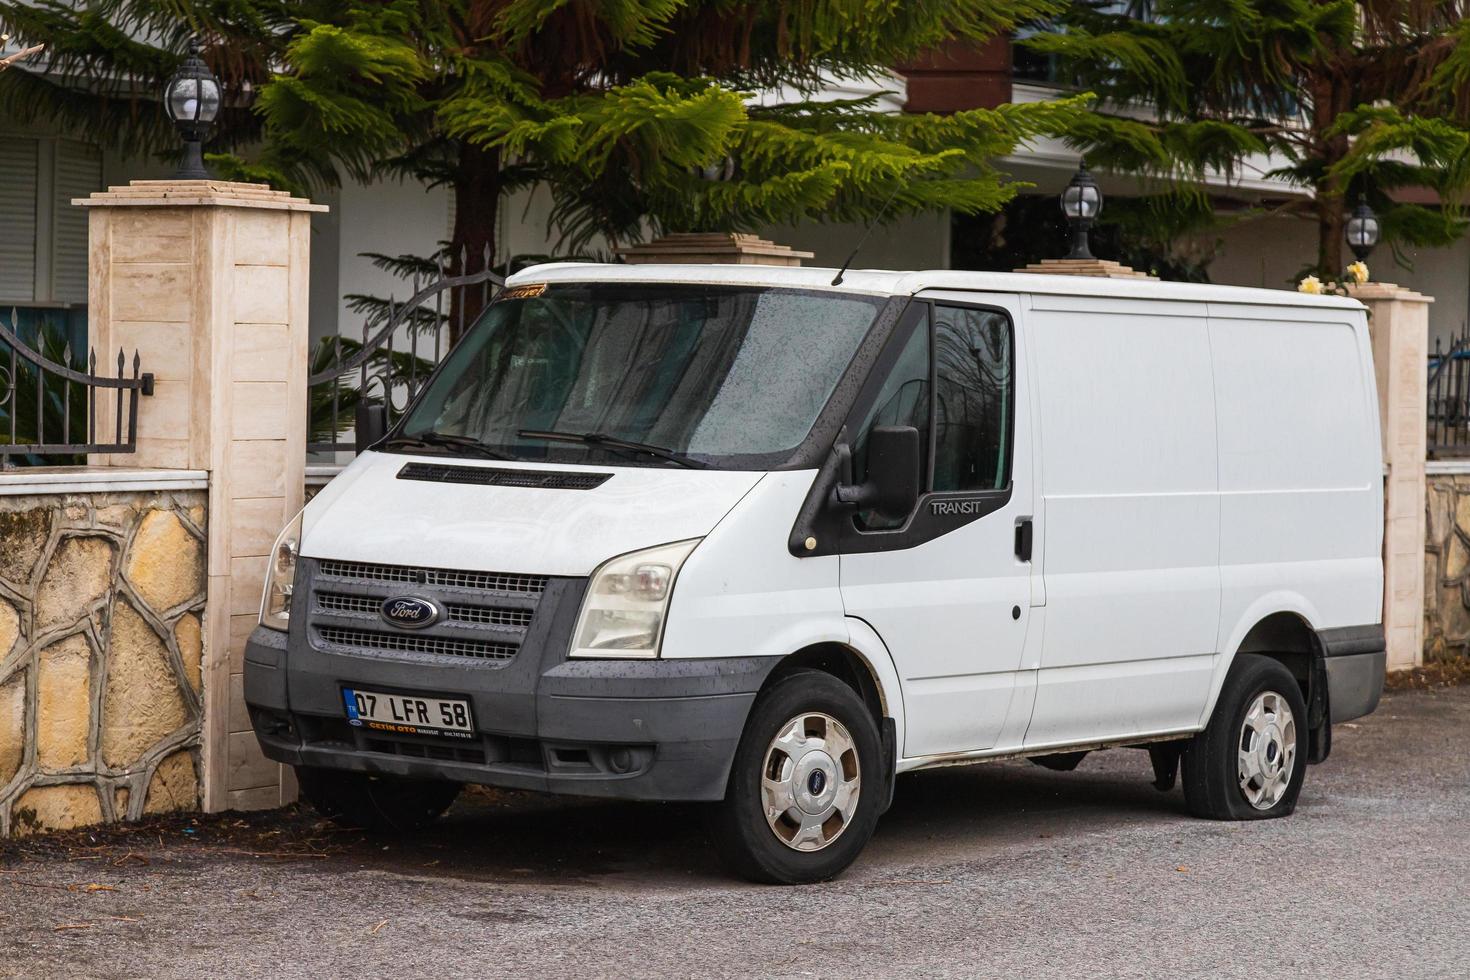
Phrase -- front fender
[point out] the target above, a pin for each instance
(867, 644)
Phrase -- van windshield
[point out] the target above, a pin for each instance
(733, 377)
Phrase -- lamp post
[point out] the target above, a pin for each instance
(192, 100)
(1082, 202)
(719, 172)
(1362, 229)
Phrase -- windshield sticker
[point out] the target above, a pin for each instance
(528, 291)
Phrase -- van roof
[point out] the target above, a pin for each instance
(887, 283)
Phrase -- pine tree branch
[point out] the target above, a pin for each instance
(21, 55)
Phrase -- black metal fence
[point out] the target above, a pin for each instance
(1448, 413)
(398, 351)
(49, 408)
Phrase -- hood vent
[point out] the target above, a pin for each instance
(494, 476)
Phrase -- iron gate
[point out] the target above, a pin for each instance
(1448, 409)
(384, 368)
(50, 409)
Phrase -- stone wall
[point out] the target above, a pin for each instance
(1447, 566)
(101, 606)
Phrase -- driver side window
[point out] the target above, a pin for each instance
(973, 399)
(954, 376)
(903, 400)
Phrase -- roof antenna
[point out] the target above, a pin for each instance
(837, 279)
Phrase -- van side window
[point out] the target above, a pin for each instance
(973, 385)
(903, 400)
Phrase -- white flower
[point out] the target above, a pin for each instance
(1311, 284)
(1358, 272)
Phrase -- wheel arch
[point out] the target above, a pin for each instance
(864, 664)
(1287, 635)
(845, 662)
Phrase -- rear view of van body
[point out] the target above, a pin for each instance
(737, 535)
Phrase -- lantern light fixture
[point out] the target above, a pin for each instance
(1082, 202)
(1362, 229)
(192, 100)
(718, 172)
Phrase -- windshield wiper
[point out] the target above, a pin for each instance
(447, 440)
(613, 442)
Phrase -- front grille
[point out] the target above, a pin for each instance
(429, 750)
(490, 616)
(483, 581)
(335, 735)
(491, 476)
(336, 602)
(412, 643)
(372, 573)
(486, 614)
(457, 612)
(487, 581)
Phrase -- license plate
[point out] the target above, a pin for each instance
(408, 714)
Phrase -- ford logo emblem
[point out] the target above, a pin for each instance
(408, 611)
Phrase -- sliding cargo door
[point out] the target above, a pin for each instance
(1301, 479)
(1130, 505)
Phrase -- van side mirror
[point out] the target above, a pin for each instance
(892, 484)
(371, 423)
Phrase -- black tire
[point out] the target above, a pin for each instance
(382, 804)
(747, 843)
(1211, 764)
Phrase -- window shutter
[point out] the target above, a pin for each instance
(78, 173)
(17, 221)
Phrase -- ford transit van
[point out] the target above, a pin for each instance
(740, 535)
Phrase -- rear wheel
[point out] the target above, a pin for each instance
(805, 786)
(1250, 761)
(385, 804)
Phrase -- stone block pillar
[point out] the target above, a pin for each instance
(1098, 268)
(208, 281)
(1398, 321)
(712, 248)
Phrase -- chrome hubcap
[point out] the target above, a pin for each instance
(1267, 750)
(810, 781)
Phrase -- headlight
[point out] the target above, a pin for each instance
(280, 576)
(628, 601)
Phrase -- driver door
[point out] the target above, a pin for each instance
(948, 587)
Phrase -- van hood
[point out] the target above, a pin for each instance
(368, 513)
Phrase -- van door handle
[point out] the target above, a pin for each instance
(1023, 538)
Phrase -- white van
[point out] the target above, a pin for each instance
(740, 535)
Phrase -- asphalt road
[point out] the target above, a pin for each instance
(993, 870)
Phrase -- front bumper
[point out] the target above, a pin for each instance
(627, 729)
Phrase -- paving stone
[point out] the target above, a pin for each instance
(12, 725)
(142, 702)
(23, 536)
(165, 562)
(9, 628)
(43, 808)
(191, 648)
(64, 703)
(174, 786)
(79, 575)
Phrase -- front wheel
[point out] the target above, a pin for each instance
(806, 783)
(384, 804)
(1249, 762)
